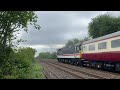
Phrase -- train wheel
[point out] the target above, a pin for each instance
(69, 61)
(117, 67)
(99, 65)
(76, 63)
(72, 62)
(80, 63)
(66, 60)
(62, 60)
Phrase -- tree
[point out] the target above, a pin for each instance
(54, 55)
(103, 25)
(69, 43)
(72, 42)
(43, 55)
(12, 22)
(75, 41)
(47, 55)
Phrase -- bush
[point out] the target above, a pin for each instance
(21, 65)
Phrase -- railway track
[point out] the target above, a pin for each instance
(49, 74)
(96, 72)
(84, 73)
(65, 70)
(74, 72)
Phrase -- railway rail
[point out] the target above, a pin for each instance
(49, 74)
(82, 72)
(65, 70)
(74, 72)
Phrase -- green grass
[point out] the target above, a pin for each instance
(38, 71)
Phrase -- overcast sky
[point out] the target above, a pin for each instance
(58, 27)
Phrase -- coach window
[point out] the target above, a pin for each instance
(91, 47)
(84, 48)
(115, 43)
(78, 48)
(102, 45)
(75, 48)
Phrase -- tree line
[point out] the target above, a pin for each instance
(47, 55)
(102, 25)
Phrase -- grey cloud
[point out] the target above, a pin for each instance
(56, 27)
(60, 26)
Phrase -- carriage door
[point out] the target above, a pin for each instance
(76, 51)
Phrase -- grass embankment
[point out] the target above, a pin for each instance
(38, 71)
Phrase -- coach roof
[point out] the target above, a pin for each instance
(103, 37)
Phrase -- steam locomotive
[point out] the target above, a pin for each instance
(100, 53)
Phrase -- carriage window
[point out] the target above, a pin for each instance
(102, 45)
(77, 48)
(84, 48)
(91, 47)
(115, 43)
